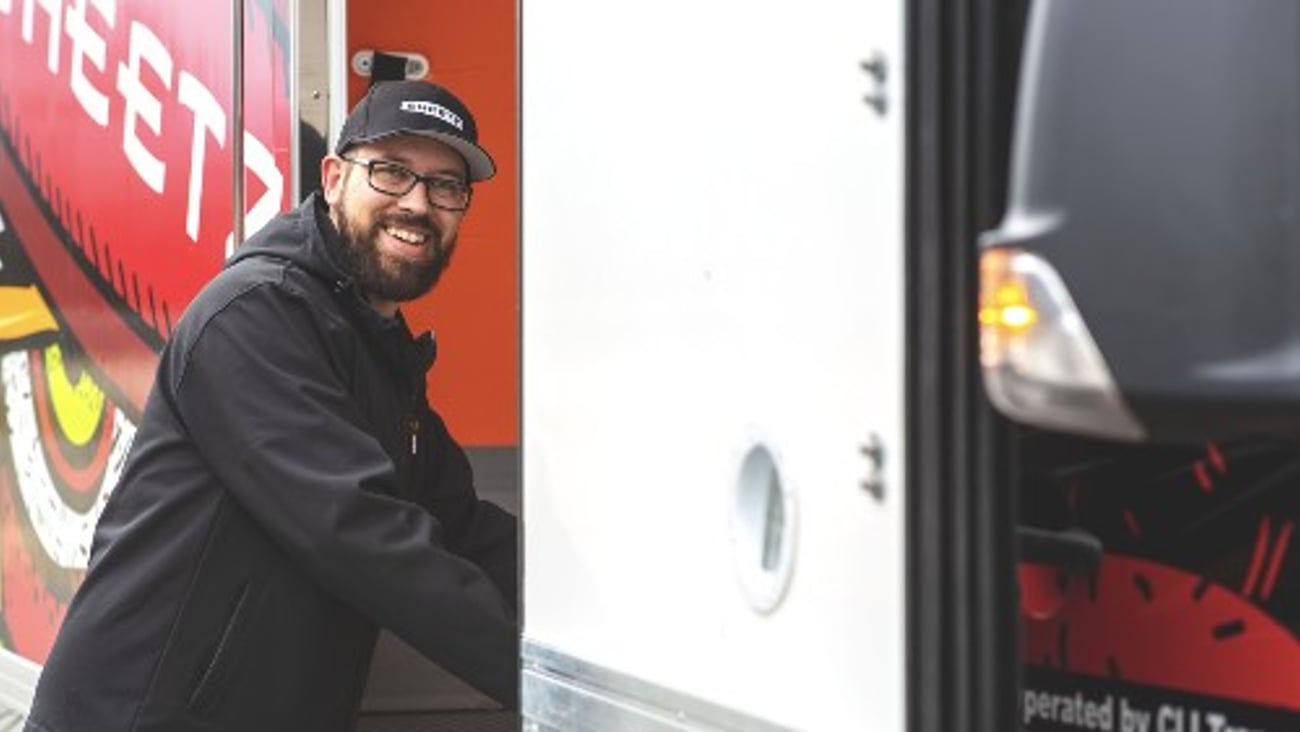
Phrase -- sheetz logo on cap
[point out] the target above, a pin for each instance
(433, 109)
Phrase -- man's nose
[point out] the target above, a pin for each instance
(417, 199)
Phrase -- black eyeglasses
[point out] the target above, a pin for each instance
(444, 191)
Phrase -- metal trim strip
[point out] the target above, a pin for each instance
(295, 102)
(237, 120)
(561, 692)
(337, 32)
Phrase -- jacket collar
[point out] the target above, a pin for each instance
(307, 237)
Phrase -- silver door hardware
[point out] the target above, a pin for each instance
(417, 64)
(763, 522)
(874, 451)
(878, 69)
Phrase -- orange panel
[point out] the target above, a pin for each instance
(470, 45)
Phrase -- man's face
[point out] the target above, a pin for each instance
(396, 246)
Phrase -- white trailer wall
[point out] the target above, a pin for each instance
(712, 260)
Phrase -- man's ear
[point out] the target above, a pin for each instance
(331, 178)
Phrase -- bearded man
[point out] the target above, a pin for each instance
(290, 491)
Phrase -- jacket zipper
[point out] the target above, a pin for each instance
(413, 423)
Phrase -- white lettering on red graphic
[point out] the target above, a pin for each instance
(259, 160)
(87, 44)
(141, 104)
(53, 9)
(140, 99)
(209, 118)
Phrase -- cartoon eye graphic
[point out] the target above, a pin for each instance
(62, 448)
(99, 303)
(68, 446)
(64, 438)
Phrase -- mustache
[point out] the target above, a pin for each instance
(416, 222)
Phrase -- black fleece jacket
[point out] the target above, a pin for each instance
(289, 492)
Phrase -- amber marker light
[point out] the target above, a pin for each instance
(1041, 364)
(1011, 308)
(1006, 309)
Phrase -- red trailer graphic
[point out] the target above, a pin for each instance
(116, 205)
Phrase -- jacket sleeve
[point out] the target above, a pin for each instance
(478, 530)
(265, 403)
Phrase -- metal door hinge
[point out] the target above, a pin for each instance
(874, 451)
(877, 67)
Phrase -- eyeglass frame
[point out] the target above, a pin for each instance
(429, 181)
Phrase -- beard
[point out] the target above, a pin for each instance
(392, 278)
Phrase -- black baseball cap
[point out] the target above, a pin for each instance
(417, 108)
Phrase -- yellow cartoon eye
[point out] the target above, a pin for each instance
(79, 407)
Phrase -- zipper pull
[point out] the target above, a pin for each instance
(414, 424)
